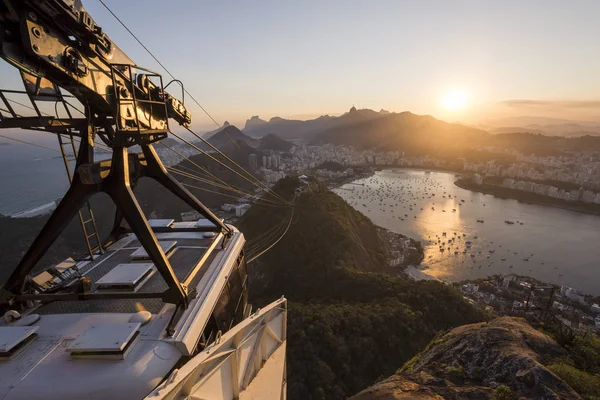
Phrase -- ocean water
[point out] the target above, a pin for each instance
(32, 176)
(29, 176)
(550, 244)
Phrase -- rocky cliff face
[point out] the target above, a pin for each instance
(501, 359)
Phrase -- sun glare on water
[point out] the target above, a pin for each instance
(454, 100)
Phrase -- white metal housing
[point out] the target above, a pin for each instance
(248, 362)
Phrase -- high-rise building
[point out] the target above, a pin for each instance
(264, 161)
(252, 162)
(269, 160)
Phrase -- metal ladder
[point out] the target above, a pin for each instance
(65, 139)
(88, 223)
(86, 215)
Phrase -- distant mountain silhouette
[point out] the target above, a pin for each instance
(212, 133)
(566, 130)
(288, 128)
(254, 122)
(525, 120)
(562, 130)
(228, 135)
(423, 134)
(308, 130)
(530, 143)
(543, 125)
(367, 129)
(514, 129)
(159, 203)
(274, 142)
(170, 141)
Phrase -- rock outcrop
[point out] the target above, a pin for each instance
(473, 361)
(254, 122)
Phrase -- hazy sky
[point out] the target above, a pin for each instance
(306, 58)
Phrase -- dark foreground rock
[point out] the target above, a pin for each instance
(480, 361)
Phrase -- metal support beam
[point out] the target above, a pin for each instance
(89, 178)
(41, 122)
(156, 170)
(68, 207)
(118, 186)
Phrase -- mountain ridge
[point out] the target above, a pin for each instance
(404, 131)
(274, 142)
(254, 121)
(225, 136)
(369, 129)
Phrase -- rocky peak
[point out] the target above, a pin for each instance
(254, 121)
(475, 361)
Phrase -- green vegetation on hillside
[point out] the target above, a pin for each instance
(325, 233)
(584, 383)
(350, 322)
(17, 234)
(581, 368)
(503, 392)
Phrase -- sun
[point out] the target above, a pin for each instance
(455, 100)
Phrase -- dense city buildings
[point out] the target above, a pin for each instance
(573, 177)
(252, 161)
(523, 295)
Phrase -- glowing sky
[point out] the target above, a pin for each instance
(311, 57)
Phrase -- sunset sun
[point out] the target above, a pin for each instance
(454, 100)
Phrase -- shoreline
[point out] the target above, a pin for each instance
(415, 254)
(337, 183)
(494, 190)
(527, 198)
(415, 271)
(418, 275)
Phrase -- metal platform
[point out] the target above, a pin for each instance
(185, 256)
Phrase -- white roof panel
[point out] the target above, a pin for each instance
(104, 337)
(166, 246)
(160, 223)
(11, 336)
(204, 223)
(184, 224)
(126, 274)
(65, 265)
